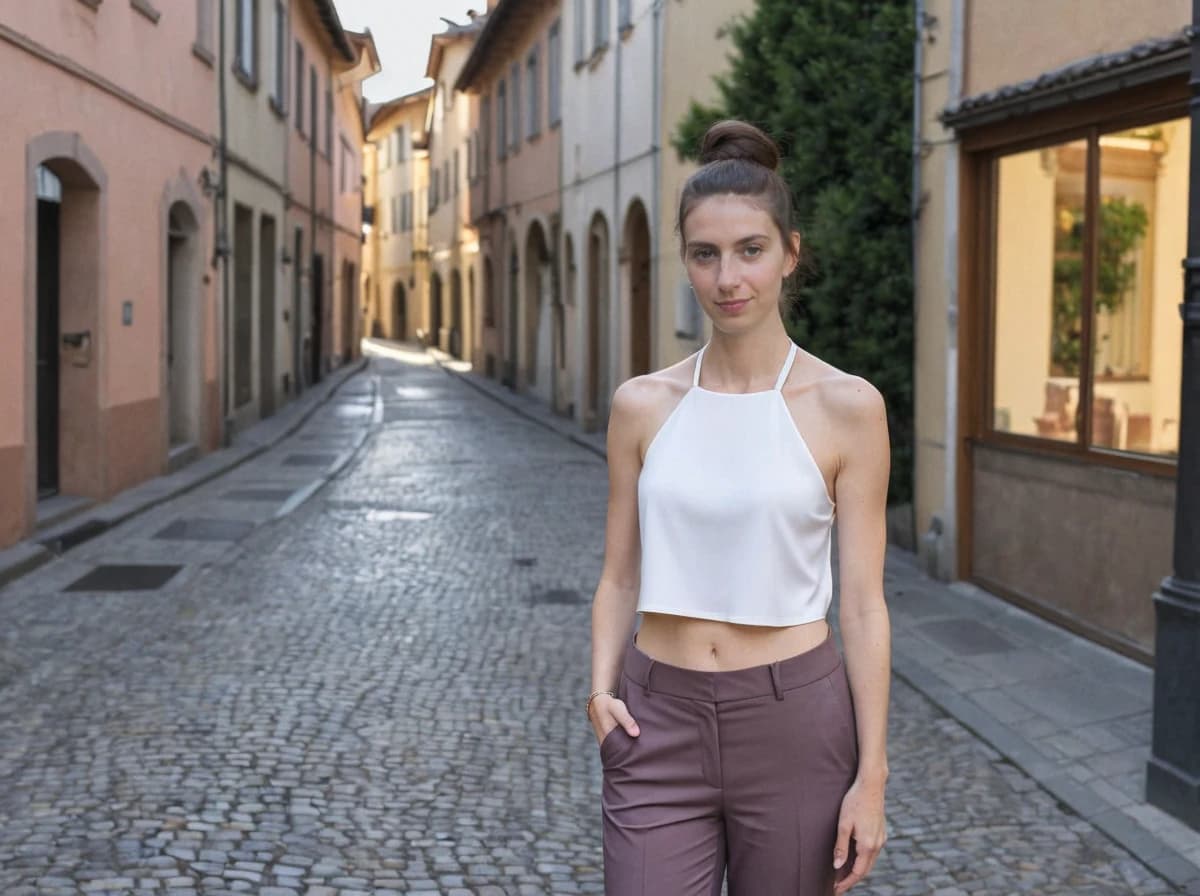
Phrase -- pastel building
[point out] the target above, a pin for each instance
(396, 251)
(514, 75)
(453, 245)
(108, 287)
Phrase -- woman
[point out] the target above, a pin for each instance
(733, 739)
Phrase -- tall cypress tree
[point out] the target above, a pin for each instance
(831, 81)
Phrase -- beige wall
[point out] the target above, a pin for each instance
(1081, 28)
(693, 52)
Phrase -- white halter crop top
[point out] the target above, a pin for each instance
(735, 518)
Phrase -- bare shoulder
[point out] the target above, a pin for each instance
(642, 403)
(846, 400)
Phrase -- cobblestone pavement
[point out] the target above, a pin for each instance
(381, 693)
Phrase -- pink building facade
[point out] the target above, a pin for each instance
(107, 282)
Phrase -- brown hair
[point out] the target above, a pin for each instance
(736, 157)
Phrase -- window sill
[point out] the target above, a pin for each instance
(144, 7)
(204, 54)
(277, 108)
(246, 80)
(625, 30)
(598, 53)
(91, 4)
(1160, 467)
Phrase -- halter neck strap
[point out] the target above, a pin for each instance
(783, 374)
(696, 373)
(787, 368)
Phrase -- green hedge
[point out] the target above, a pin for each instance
(831, 81)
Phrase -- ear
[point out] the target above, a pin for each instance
(793, 253)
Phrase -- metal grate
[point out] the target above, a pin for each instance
(206, 530)
(128, 577)
(259, 494)
(557, 596)
(309, 460)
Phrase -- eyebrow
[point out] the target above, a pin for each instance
(746, 239)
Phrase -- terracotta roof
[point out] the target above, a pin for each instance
(1149, 60)
(329, 18)
(510, 15)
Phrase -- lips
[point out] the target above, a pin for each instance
(733, 307)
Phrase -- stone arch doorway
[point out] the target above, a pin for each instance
(511, 316)
(637, 283)
(65, 250)
(561, 326)
(596, 395)
(183, 356)
(454, 336)
(349, 301)
(399, 329)
(537, 361)
(435, 310)
(470, 320)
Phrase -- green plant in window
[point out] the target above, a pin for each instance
(1123, 224)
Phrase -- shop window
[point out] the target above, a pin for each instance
(1086, 311)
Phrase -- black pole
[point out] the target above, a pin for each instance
(1173, 773)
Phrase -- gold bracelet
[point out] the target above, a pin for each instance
(592, 696)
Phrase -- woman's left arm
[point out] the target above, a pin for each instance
(861, 495)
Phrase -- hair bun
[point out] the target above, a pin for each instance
(733, 139)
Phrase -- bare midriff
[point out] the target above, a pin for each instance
(711, 646)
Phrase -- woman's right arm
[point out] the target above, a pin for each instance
(615, 603)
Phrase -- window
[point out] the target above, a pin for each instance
(329, 119)
(279, 88)
(580, 31)
(385, 152)
(203, 47)
(532, 72)
(312, 104)
(1108, 344)
(600, 26)
(485, 130)
(299, 87)
(554, 76)
(624, 14)
(501, 121)
(456, 173)
(514, 131)
(246, 58)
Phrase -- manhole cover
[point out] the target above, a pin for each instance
(206, 530)
(308, 460)
(117, 577)
(525, 561)
(259, 494)
(557, 596)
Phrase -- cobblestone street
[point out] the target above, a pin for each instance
(381, 691)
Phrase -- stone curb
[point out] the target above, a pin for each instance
(42, 547)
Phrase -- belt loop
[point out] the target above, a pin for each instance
(774, 667)
(649, 678)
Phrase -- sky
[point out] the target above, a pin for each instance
(401, 29)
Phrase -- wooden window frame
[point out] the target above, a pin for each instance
(982, 149)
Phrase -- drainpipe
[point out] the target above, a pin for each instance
(221, 249)
(613, 324)
(656, 307)
(1173, 772)
(315, 328)
(946, 561)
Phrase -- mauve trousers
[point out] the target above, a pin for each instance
(740, 772)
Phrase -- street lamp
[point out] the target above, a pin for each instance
(1173, 772)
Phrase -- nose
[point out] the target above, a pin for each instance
(729, 275)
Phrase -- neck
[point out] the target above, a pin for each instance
(746, 362)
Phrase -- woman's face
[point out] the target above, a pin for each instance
(736, 260)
